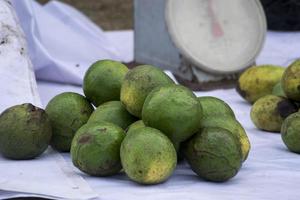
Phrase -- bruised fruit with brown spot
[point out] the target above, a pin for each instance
(213, 154)
(95, 148)
(25, 132)
(265, 114)
(67, 112)
(258, 81)
(286, 107)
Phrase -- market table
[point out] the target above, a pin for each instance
(269, 172)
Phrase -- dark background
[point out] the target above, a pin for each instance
(109, 14)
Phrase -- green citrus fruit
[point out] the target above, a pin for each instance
(138, 83)
(25, 132)
(102, 81)
(67, 112)
(148, 156)
(95, 148)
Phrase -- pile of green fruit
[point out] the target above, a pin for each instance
(143, 123)
(275, 94)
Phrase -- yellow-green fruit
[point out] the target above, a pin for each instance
(291, 81)
(234, 127)
(25, 132)
(265, 114)
(95, 148)
(214, 154)
(174, 110)
(290, 132)
(278, 90)
(67, 112)
(148, 156)
(135, 125)
(258, 81)
(138, 83)
(102, 81)
(214, 107)
(114, 112)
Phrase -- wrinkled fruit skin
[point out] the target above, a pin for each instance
(67, 112)
(174, 110)
(102, 81)
(95, 149)
(278, 90)
(148, 156)
(265, 113)
(213, 154)
(291, 81)
(290, 132)
(114, 112)
(25, 132)
(258, 81)
(214, 107)
(234, 127)
(135, 125)
(138, 83)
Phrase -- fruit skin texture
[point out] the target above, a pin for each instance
(214, 107)
(265, 115)
(25, 132)
(291, 81)
(148, 156)
(290, 132)
(67, 112)
(95, 148)
(102, 81)
(258, 81)
(174, 110)
(278, 90)
(213, 154)
(135, 125)
(138, 83)
(234, 127)
(114, 112)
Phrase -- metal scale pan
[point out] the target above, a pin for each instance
(213, 40)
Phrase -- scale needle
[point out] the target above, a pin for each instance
(217, 30)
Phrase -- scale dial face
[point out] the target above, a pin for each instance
(217, 36)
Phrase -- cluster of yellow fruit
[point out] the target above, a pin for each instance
(275, 94)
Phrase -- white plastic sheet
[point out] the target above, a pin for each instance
(47, 176)
(63, 43)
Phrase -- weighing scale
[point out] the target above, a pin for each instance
(205, 43)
